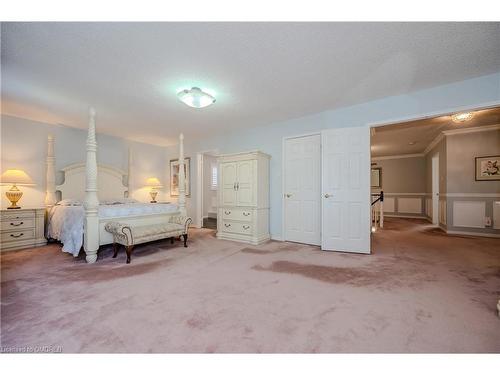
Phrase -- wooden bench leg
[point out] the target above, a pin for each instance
(185, 239)
(115, 249)
(128, 249)
(172, 240)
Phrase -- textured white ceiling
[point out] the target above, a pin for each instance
(259, 72)
(394, 139)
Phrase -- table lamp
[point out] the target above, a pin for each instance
(154, 184)
(15, 177)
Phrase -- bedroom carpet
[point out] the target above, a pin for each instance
(420, 291)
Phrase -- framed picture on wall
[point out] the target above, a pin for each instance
(488, 168)
(174, 177)
(376, 177)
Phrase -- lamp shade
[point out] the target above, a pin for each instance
(153, 182)
(16, 177)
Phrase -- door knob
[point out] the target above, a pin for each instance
(288, 195)
(327, 195)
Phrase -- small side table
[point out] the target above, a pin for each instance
(22, 228)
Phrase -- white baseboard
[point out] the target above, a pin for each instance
(474, 234)
(276, 238)
(405, 216)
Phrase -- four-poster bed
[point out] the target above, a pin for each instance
(92, 183)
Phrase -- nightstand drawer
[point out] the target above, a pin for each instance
(21, 223)
(19, 215)
(18, 235)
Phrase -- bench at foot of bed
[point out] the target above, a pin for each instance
(130, 235)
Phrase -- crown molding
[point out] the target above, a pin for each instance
(447, 133)
(434, 142)
(404, 156)
(472, 130)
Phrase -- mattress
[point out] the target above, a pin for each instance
(65, 223)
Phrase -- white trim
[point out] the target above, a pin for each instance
(434, 143)
(276, 238)
(406, 216)
(474, 234)
(390, 157)
(283, 216)
(407, 194)
(470, 195)
(478, 129)
(448, 112)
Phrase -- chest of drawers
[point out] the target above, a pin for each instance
(22, 228)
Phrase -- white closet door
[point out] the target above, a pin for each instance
(228, 183)
(244, 183)
(303, 189)
(346, 190)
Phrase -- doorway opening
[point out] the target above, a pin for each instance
(428, 169)
(207, 184)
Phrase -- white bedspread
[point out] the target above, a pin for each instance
(66, 222)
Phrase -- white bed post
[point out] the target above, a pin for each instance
(182, 178)
(50, 195)
(91, 236)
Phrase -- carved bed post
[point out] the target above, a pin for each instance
(182, 178)
(91, 204)
(50, 195)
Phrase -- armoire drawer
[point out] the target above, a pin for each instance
(237, 214)
(19, 235)
(14, 224)
(236, 227)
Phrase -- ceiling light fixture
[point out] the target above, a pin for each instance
(412, 143)
(195, 98)
(462, 117)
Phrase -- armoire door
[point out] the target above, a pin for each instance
(346, 190)
(228, 173)
(245, 192)
(302, 189)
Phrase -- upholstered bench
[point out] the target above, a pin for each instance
(129, 235)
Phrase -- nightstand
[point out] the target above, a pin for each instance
(22, 228)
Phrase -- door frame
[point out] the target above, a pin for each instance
(283, 155)
(198, 220)
(435, 189)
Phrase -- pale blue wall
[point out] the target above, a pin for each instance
(24, 146)
(448, 98)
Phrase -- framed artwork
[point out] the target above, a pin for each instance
(488, 168)
(174, 177)
(376, 177)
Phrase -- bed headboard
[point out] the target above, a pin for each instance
(109, 182)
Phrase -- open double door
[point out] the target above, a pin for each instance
(327, 189)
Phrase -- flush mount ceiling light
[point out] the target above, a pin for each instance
(462, 117)
(196, 98)
(412, 143)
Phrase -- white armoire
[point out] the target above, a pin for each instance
(243, 200)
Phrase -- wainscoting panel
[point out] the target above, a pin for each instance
(409, 205)
(442, 212)
(496, 215)
(389, 204)
(469, 214)
(428, 207)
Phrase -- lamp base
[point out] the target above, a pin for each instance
(13, 195)
(153, 196)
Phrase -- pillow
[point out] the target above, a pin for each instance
(119, 201)
(69, 202)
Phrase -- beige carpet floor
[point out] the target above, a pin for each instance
(420, 291)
